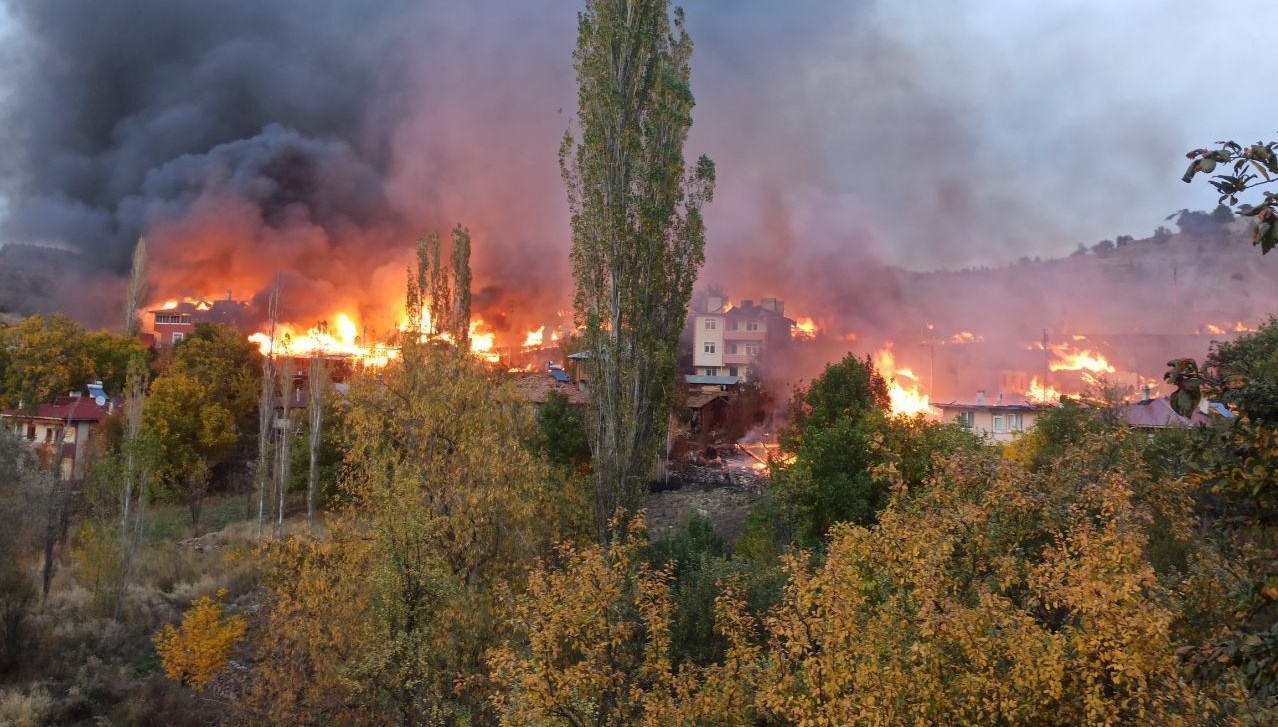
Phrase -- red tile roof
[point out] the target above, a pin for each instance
(76, 408)
(536, 388)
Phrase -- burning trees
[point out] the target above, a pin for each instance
(638, 235)
(438, 299)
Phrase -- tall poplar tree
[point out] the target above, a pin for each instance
(638, 234)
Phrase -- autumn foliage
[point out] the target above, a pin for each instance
(198, 650)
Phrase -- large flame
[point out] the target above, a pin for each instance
(1042, 394)
(903, 400)
(805, 328)
(1079, 360)
(535, 338)
(340, 339)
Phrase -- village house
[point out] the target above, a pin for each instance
(174, 322)
(727, 339)
(1149, 413)
(1000, 421)
(536, 387)
(43, 426)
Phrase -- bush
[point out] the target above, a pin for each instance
(198, 651)
(19, 709)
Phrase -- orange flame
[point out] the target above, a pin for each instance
(966, 337)
(1081, 360)
(805, 328)
(535, 338)
(903, 400)
(1040, 394)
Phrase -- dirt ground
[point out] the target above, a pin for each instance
(724, 493)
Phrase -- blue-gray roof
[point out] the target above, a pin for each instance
(712, 380)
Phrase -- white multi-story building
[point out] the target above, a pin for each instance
(726, 339)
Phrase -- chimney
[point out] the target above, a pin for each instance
(1000, 399)
(714, 303)
(980, 397)
(1144, 390)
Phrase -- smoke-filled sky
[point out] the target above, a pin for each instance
(318, 139)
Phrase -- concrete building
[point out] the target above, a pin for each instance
(998, 420)
(727, 339)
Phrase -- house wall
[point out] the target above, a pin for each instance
(707, 329)
(982, 420)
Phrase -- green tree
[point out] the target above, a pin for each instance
(561, 433)
(824, 474)
(638, 236)
(49, 356)
(230, 367)
(192, 432)
(1248, 366)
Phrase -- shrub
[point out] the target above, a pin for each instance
(198, 651)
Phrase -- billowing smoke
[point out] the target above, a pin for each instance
(252, 140)
(855, 141)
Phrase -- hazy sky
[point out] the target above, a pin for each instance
(937, 133)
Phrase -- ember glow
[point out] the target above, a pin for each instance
(904, 398)
(966, 337)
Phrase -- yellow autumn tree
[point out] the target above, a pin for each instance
(198, 650)
(388, 619)
(992, 595)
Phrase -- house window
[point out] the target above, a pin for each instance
(177, 337)
(752, 325)
(710, 371)
(48, 435)
(31, 432)
(732, 325)
(999, 425)
(1014, 423)
(732, 348)
(709, 347)
(752, 349)
(966, 418)
(711, 324)
(732, 370)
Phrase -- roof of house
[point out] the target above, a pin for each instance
(1159, 413)
(701, 398)
(995, 406)
(62, 408)
(711, 380)
(537, 387)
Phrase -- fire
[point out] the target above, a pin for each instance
(535, 338)
(340, 339)
(1081, 360)
(805, 328)
(966, 337)
(903, 400)
(1040, 394)
(1214, 329)
(1240, 327)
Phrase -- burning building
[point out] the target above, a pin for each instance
(727, 339)
(175, 320)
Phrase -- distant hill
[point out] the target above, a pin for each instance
(39, 279)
